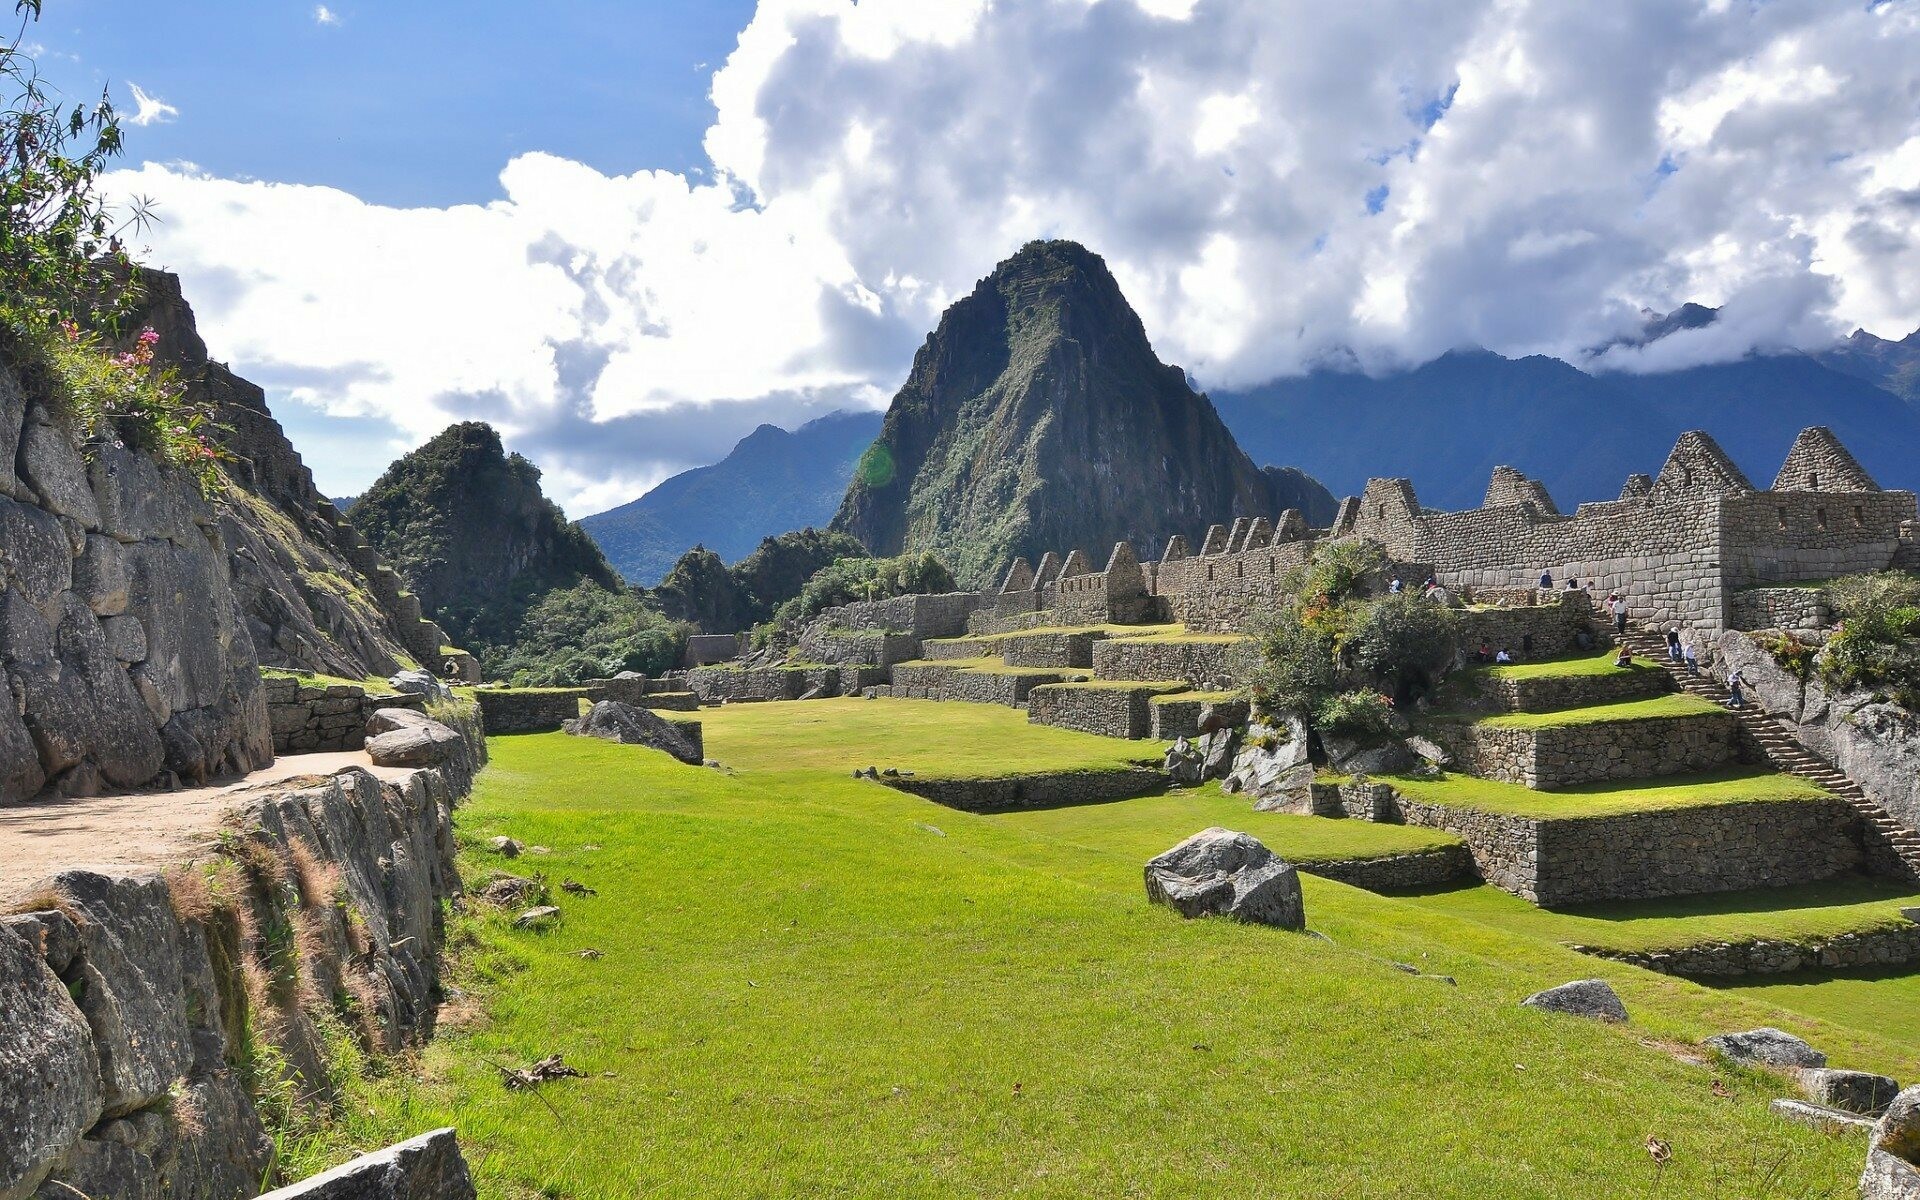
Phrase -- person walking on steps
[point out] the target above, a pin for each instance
(1617, 605)
(1673, 645)
(1736, 695)
(1688, 657)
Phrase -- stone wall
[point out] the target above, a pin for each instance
(1201, 664)
(1894, 946)
(131, 997)
(1407, 872)
(1225, 591)
(1549, 627)
(864, 647)
(735, 685)
(1179, 715)
(1048, 649)
(1120, 712)
(315, 718)
(1551, 692)
(123, 653)
(705, 648)
(1057, 790)
(922, 616)
(530, 710)
(1563, 756)
(1779, 608)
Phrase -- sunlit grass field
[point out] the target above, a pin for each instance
(815, 985)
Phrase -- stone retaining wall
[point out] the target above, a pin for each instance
(1563, 756)
(317, 718)
(1546, 629)
(1548, 693)
(1179, 715)
(1036, 791)
(128, 996)
(969, 647)
(1896, 946)
(923, 616)
(733, 685)
(996, 687)
(1119, 712)
(1397, 872)
(528, 711)
(1049, 649)
(1779, 608)
(867, 647)
(1201, 664)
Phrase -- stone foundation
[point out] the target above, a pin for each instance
(318, 718)
(1049, 649)
(509, 710)
(1397, 872)
(1110, 711)
(1200, 664)
(734, 685)
(1179, 715)
(1868, 949)
(1550, 693)
(1779, 608)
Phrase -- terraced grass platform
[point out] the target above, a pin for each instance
(1631, 739)
(1572, 682)
(810, 984)
(1115, 708)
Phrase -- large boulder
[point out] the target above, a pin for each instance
(400, 737)
(1860, 1092)
(1592, 998)
(1271, 766)
(419, 683)
(52, 1090)
(1767, 1047)
(1352, 756)
(1893, 1152)
(617, 721)
(429, 1167)
(1218, 872)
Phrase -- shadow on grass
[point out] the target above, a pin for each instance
(1814, 978)
(1828, 893)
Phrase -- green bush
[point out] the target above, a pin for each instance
(1405, 642)
(588, 632)
(1298, 664)
(850, 579)
(1877, 646)
(1355, 714)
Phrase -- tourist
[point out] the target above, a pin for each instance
(1484, 653)
(1617, 605)
(1673, 645)
(1625, 657)
(1503, 656)
(1394, 586)
(1688, 657)
(1573, 585)
(1736, 696)
(1546, 580)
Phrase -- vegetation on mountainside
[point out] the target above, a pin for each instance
(467, 526)
(571, 635)
(715, 598)
(849, 983)
(67, 283)
(850, 579)
(1343, 658)
(1877, 646)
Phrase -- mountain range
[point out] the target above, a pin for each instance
(772, 482)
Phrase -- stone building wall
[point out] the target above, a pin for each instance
(530, 710)
(1779, 608)
(1048, 650)
(826, 644)
(1550, 692)
(1225, 591)
(1562, 756)
(1202, 664)
(316, 718)
(127, 998)
(734, 685)
(923, 616)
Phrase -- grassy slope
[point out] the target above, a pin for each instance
(814, 985)
(1676, 704)
(1732, 786)
(1562, 668)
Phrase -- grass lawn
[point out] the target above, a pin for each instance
(1600, 663)
(813, 985)
(1675, 704)
(1880, 1002)
(1192, 697)
(1736, 785)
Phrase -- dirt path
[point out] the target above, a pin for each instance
(142, 829)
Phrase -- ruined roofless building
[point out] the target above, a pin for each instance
(1677, 544)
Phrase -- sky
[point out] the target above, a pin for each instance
(626, 233)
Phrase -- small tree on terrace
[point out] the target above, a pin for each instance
(1405, 642)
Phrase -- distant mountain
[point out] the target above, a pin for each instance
(1891, 366)
(771, 483)
(344, 503)
(468, 528)
(1446, 424)
(1037, 417)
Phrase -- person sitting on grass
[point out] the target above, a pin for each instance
(1484, 653)
(1503, 656)
(1625, 657)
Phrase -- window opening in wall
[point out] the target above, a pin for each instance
(1820, 517)
(1273, 566)
(1859, 515)
(1526, 645)
(1209, 572)
(1783, 516)
(1686, 476)
(1380, 511)
(1239, 570)
(1813, 481)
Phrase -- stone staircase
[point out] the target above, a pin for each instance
(1786, 754)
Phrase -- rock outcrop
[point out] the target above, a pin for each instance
(429, 1167)
(1218, 872)
(131, 1000)
(1037, 417)
(1893, 1152)
(1767, 1047)
(1591, 998)
(616, 721)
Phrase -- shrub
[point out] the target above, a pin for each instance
(1877, 646)
(1405, 642)
(1355, 714)
(1794, 655)
(1298, 662)
(1338, 572)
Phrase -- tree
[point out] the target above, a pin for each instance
(1405, 642)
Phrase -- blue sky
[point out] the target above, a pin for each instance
(553, 217)
(399, 101)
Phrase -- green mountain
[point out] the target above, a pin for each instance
(1037, 417)
(773, 481)
(467, 526)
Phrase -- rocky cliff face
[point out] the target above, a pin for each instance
(1037, 418)
(466, 525)
(312, 593)
(123, 650)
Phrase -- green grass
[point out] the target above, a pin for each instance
(1676, 704)
(1738, 785)
(813, 985)
(1805, 913)
(1161, 687)
(1566, 668)
(1878, 1003)
(1201, 697)
(372, 683)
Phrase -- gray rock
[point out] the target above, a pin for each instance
(1184, 763)
(21, 776)
(1893, 1154)
(34, 554)
(13, 415)
(1271, 765)
(539, 915)
(1429, 750)
(1217, 753)
(1218, 872)
(505, 847)
(136, 502)
(52, 1077)
(100, 576)
(1819, 1116)
(126, 638)
(417, 741)
(1355, 758)
(1767, 1047)
(429, 1167)
(1594, 998)
(134, 983)
(419, 683)
(616, 721)
(50, 464)
(1850, 1091)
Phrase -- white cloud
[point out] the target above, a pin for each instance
(149, 110)
(322, 15)
(1274, 181)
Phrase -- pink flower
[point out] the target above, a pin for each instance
(148, 337)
